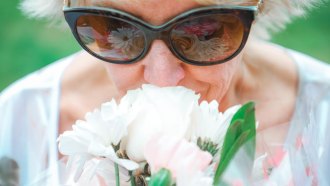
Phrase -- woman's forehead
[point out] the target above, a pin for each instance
(157, 12)
(176, 2)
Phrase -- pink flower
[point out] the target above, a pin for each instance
(177, 155)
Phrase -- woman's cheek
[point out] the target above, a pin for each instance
(217, 79)
(125, 77)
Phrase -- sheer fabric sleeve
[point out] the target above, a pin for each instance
(28, 122)
(308, 139)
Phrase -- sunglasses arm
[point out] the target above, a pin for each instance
(66, 3)
(70, 3)
(259, 6)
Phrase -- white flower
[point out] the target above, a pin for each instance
(98, 135)
(193, 179)
(188, 164)
(123, 38)
(210, 125)
(167, 110)
(174, 154)
(129, 41)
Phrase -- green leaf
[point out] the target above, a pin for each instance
(162, 178)
(250, 124)
(249, 117)
(247, 113)
(241, 113)
(231, 136)
(225, 161)
(242, 129)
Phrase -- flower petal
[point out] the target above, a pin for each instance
(168, 111)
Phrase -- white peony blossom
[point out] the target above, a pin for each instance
(167, 110)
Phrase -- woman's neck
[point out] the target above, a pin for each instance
(243, 83)
(269, 77)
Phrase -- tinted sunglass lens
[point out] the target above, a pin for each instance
(110, 38)
(209, 38)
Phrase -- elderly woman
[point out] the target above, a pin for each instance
(215, 47)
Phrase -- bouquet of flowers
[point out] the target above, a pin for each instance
(160, 136)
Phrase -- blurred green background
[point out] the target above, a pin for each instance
(27, 45)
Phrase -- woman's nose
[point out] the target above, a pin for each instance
(162, 68)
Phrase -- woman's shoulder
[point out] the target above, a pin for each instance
(310, 69)
(314, 79)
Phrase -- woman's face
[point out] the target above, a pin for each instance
(160, 67)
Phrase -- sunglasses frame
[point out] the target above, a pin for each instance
(246, 14)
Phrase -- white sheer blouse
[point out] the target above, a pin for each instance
(29, 112)
(29, 121)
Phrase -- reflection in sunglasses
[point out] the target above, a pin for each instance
(122, 43)
(208, 38)
(127, 41)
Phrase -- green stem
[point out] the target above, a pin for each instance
(132, 178)
(117, 174)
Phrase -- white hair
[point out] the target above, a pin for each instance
(274, 16)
